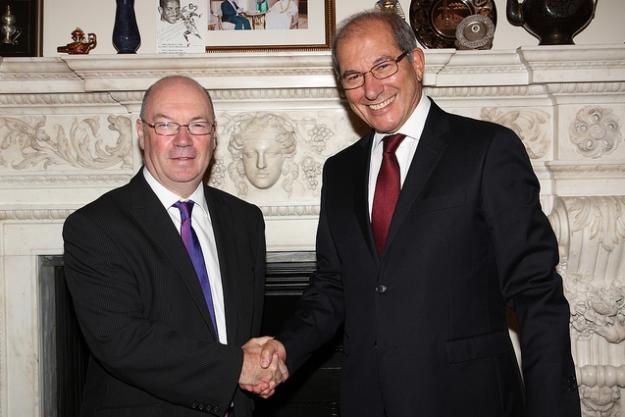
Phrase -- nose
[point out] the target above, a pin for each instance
(372, 86)
(260, 160)
(183, 138)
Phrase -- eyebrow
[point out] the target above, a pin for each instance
(193, 119)
(379, 60)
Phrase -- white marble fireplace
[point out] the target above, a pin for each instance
(67, 136)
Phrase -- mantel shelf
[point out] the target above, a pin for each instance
(229, 70)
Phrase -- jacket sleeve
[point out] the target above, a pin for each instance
(320, 310)
(527, 256)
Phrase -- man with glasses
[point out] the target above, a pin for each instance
(166, 275)
(430, 227)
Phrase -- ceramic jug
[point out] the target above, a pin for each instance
(553, 22)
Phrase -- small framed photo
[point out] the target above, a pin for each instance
(21, 27)
(252, 25)
(181, 26)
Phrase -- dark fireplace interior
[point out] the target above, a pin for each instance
(311, 392)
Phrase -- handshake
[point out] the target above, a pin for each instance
(263, 366)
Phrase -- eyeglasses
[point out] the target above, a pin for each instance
(380, 71)
(172, 128)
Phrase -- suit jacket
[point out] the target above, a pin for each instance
(141, 309)
(227, 11)
(425, 329)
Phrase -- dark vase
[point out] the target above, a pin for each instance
(126, 38)
(553, 22)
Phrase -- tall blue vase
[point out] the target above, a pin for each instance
(126, 38)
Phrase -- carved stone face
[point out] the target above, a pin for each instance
(263, 158)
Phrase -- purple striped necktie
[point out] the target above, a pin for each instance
(191, 242)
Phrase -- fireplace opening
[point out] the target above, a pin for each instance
(313, 391)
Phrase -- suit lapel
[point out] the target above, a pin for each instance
(360, 189)
(152, 217)
(431, 146)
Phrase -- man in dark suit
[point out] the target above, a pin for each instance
(231, 12)
(167, 274)
(421, 248)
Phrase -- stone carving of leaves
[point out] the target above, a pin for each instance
(604, 217)
(595, 131)
(529, 124)
(83, 147)
(596, 310)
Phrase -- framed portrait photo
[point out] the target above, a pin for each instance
(253, 25)
(180, 26)
(20, 27)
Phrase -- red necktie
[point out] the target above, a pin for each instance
(387, 190)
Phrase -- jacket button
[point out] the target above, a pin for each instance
(381, 289)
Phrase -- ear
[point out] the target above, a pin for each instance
(418, 63)
(139, 128)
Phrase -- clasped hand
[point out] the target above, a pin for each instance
(263, 366)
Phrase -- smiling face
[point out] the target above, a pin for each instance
(262, 158)
(383, 104)
(170, 12)
(178, 162)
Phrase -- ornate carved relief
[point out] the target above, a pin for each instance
(529, 124)
(595, 131)
(591, 235)
(271, 152)
(76, 99)
(27, 143)
(600, 401)
(485, 91)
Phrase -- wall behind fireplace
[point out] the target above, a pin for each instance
(62, 16)
(67, 135)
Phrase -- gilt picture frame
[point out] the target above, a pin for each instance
(274, 25)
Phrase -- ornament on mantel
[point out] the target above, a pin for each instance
(391, 6)
(553, 22)
(79, 46)
(126, 38)
(9, 32)
(462, 24)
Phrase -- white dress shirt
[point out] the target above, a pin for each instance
(406, 150)
(201, 222)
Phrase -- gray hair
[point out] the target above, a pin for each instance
(400, 29)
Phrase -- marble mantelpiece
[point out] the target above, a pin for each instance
(67, 135)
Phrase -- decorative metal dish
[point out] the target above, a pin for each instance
(434, 22)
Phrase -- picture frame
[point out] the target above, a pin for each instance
(311, 30)
(27, 18)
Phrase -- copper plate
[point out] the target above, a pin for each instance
(434, 21)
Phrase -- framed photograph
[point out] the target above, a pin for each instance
(21, 23)
(180, 26)
(270, 25)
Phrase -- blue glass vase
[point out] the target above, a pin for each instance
(126, 38)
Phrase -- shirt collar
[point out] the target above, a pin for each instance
(413, 127)
(168, 198)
